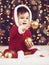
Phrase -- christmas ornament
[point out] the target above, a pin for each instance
(34, 24)
(10, 54)
(28, 42)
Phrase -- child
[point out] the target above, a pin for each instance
(20, 31)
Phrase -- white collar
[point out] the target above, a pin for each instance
(20, 30)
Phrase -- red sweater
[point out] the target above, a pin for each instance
(17, 41)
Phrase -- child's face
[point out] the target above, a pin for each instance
(24, 19)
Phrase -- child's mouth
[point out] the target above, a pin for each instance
(24, 23)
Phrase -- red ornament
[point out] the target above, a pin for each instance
(10, 54)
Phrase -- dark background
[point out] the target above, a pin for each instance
(40, 13)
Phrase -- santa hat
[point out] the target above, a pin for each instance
(15, 13)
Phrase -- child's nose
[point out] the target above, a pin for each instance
(25, 20)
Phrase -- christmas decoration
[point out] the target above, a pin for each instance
(10, 54)
(28, 42)
(34, 24)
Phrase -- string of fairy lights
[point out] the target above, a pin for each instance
(40, 13)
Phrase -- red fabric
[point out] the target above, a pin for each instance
(17, 40)
(14, 54)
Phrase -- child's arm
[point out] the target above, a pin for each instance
(13, 36)
(13, 32)
(28, 40)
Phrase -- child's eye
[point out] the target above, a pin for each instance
(22, 17)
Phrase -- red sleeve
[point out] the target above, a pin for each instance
(28, 34)
(13, 32)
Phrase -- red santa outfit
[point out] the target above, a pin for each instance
(17, 41)
(17, 37)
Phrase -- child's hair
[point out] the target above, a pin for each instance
(22, 10)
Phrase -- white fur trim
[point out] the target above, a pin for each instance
(15, 13)
(20, 30)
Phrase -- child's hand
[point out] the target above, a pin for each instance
(28, 42)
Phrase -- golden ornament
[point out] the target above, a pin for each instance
(28, 42)
(34, 24)
(8, 55)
